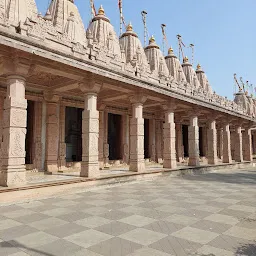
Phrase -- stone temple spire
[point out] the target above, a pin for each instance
(174, 66)
(156, 58)
(203, 79)
(65, 16)
(131, 44)
(190, 73)
(17, 11)
(102, 32)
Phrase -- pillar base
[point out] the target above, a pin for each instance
(171, 164)
(213, 161)
(193, 162)
(13, 176)
(90, 170)
(137, 167)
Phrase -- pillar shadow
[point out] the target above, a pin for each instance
(15, 244)
(246, 250)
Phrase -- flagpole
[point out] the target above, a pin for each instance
(121, 16)
(92, 9)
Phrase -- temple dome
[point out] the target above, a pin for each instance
(102, 32)
(156, 58)
(190, 73)
(174, 66)
(66, 18)
(132, 47)
(202, 78)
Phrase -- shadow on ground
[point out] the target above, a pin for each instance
(246, 250)
(15, 244)
(242, 177)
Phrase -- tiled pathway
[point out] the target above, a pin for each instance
(207, 215)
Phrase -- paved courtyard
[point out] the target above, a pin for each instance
(205, 215)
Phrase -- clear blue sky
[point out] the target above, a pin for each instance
(223, 31)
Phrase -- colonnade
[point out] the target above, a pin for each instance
(13, 125)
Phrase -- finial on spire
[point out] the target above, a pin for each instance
(185, 59)
(198, 67)
(101, 11)
(152, 39)
(170, 51)
(129, 27)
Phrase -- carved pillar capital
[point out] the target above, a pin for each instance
(169, 105)
(91, 84)
(138, 98)
(15, 65)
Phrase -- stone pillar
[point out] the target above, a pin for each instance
(238, 144)
(101, 135)
(38, 136)
(226, 144)
(212, 143)
(169, 138)
(152, 139)
(13, 171)
(193, 141)
(179, 142)
(247, 144)
(137, 162)
(90, 159)
(90, 127)
(62, 144)
(159, 131)
(52, 132)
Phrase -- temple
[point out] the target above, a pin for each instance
(85, 100)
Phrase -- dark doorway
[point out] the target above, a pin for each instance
(73, 134)
(201, 144)
(185, 139)
(146, 139)
(253, 144)
(30, 133)
(114, 136)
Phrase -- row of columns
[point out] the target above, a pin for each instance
(14, 134)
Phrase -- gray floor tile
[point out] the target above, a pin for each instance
(164, 227)
(65, 230)
(31, 218)
(33, 240)
(47, 223)
(115, 228)
(175, 246)
(115, 246)
(142, 236)
(195, 235)
(211, 226)
(137, 220)
(88, 238)
(12, 233)
(59, 247)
